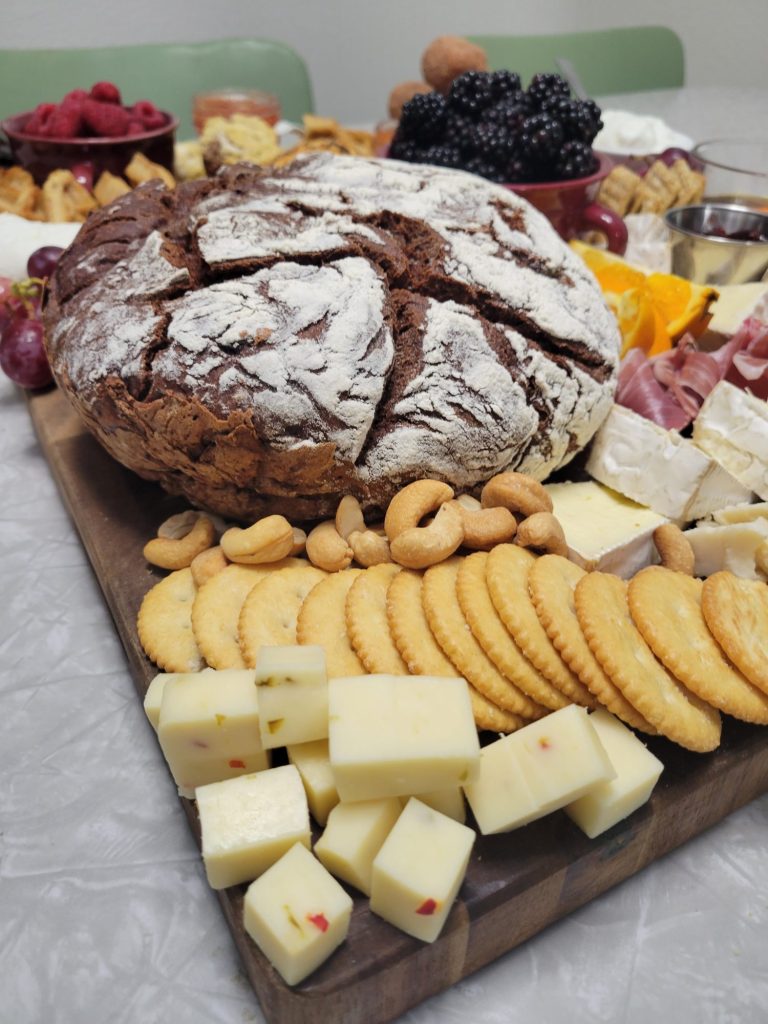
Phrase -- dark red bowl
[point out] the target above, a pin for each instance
(40, 155)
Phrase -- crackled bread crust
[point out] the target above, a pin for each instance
(269, 341)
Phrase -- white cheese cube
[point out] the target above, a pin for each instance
(293, 694)
(353, 836)
(659, 468)
(603, 529)
(297, 914)
(249, 822)
(637, 772)
(500, 797)
(419, 869)
(314, 765)
(447, 801)
(396, 735)
(729, 546)
(732, 427)
(562, 757)
(154, 697)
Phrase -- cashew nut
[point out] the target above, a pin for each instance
(327, 549)
(417, 547)
(268, 540)
(517, 492)
(484, 528)
(761, 557)
(369, 548)
(349, 516)
(177, 553)
(207, 564)
(468, 502)
(299, 541)
(179, 526)
(543, 532)
(674, 548)
(412, 503)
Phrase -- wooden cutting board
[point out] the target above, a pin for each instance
(516, 885)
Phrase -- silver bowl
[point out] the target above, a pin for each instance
(705, 250)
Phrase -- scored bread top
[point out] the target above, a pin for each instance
(271, 340)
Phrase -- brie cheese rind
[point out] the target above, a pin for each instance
(660, 469)
(732, 427)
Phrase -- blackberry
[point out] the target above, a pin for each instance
(504, 83)
(457, 129)
(470, 93)
(544, 85)
(541, 136)
(492, 142)
(442, 155)
(423, 118)
(580, 118)
(405, 149)
(577, 160)
(517, 171)
(485, 168)
(509, 112)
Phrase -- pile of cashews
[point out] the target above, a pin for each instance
(424, 524)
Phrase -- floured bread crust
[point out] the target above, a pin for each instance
(270, 341)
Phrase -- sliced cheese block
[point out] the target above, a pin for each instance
(604, 530)
(293, 694)
(729, 546)
(660, 469)
(400, 735)
(732, 427)
(637, 772)
(297, 914)
(419, 869)
(314, 765)
(353, 836)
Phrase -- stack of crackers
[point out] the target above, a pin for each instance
(657, 191)
(324, 134)
(664, 652)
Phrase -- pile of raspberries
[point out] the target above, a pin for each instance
(96, 114)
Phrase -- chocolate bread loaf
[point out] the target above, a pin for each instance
(268, 341)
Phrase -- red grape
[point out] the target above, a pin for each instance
(674, 153)
(43, 261)
(22, 356)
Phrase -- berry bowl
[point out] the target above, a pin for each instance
(570, 206)
(40, 155)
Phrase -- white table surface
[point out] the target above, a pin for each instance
(105, 915)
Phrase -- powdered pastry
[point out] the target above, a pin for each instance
(268, 341)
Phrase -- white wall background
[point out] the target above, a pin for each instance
(357, 50)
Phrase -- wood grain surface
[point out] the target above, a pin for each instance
(516, 884)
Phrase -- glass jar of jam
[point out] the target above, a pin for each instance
(226, 102)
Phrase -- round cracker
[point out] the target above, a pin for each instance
(322, 621)
(666, 608)
(422, 654)
(552, 581)
(507, 576)
(366, 617)
(603, 612)
(492, 635)
(164, 624)
(736, 611)
(216, 611)
(450, 629)
(269, 612)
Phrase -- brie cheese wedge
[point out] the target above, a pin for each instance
(732, 427)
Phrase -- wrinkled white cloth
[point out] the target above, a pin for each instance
(106, 917)
(20, 237)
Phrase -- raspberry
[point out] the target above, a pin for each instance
(64, 123)
(105, 119)
(146, 112)
(135, 128)
(75, 99)
(107, 92)
(39, 118)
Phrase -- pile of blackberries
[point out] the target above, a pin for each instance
(490, 125)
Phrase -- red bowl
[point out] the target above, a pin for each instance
(40, 155)
(571, 207)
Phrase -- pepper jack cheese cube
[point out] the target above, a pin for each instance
(313, 761)
(249, 822)
(500, 797)
(293, 694)
(447, 801)
(419, 869)
(397, 735)
(297, 914)
(353, 837)
(637, 772)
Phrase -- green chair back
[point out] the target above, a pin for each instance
(167, 74)
(613, 60)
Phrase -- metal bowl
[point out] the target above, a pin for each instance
(705, 250)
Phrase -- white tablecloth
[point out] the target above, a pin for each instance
(105, 915)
